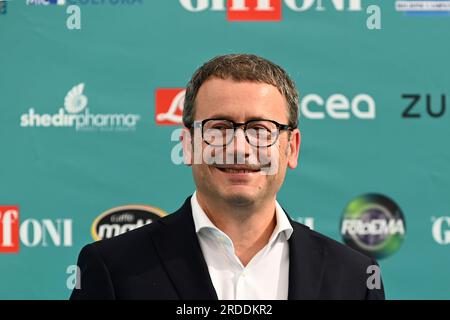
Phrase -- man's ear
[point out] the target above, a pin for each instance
(294, 148)
(186, 140)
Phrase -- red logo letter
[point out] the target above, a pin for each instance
(9, 229)
(253, 10)
(169, 106)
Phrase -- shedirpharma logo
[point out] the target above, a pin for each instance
(119, 220)
(75, 114)
(267, 10)
(374, 225)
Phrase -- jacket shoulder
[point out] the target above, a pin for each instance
(344, 272)
(336, 253)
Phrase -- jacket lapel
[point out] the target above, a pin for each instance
(306, 264)
(177, 245)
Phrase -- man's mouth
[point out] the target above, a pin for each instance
(238, 169)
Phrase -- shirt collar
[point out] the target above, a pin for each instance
(201, 220)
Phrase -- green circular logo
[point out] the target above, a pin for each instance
(374, 225)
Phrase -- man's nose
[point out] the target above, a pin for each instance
(239, 144)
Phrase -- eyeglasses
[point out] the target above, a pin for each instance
(258, 132)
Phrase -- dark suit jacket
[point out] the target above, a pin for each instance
(163, 260)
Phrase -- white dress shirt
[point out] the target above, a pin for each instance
(265, 277)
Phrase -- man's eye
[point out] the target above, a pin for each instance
(259, 127)
(220, 127)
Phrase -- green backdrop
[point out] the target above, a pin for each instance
(126, 51)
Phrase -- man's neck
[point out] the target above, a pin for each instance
(249, 227)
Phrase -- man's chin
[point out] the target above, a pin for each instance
(239, 198)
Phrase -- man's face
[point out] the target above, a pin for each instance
(240, 102)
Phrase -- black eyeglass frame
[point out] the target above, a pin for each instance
(235, 125)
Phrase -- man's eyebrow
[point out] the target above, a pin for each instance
(227, 117)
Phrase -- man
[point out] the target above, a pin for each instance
(231, 239)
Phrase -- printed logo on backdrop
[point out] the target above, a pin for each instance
(374, 225)
(271, 10)
(424, 7)
(119, 220)
(45, 2)
(83, 2)
(32, 232)
(169, 106)
(257, 10)
(337, 106)
(441, 230)
(424, 106)
(105, 2)
(75, 114)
